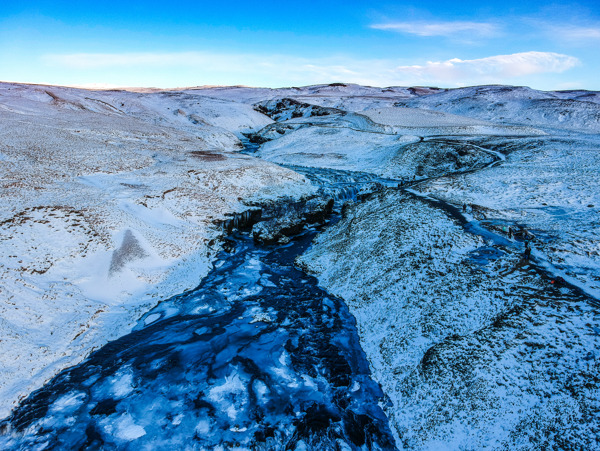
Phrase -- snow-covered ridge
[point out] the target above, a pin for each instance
(568, 110)
(384, 141)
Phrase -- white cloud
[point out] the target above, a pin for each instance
(575, 32)
(492, 69)
(447, 29)
(285, 70)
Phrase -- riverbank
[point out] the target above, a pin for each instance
(256, 357)
(474, 345)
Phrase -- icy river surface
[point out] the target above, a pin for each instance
(257, 357)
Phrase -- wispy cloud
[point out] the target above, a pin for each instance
(588, 33)
(281, 70)
(446, 29)
(492, 69)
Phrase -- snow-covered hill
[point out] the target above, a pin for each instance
(476, 347)
(384, 141)
(112, 200)
(110, 203)
(568, 110)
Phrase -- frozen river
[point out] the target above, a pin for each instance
(258, 356)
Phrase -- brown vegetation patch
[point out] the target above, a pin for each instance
(56, 100)
(25, 215)
(134, 185)
(207, 155)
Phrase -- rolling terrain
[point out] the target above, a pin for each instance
(114, 201)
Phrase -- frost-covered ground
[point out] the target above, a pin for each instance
(110, 200)
(545, 144)
(563, 110)
(393, 142)
(475, 347)
(109, 204)
(551, 186)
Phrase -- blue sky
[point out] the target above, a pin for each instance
(185, 43)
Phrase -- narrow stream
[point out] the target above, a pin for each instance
(257, 357)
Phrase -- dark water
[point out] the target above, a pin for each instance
(257, 357)
(485, 255)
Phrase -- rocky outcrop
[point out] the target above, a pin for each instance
(291, 219)
(283, 109)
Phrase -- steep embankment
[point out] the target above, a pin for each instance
(472, 346)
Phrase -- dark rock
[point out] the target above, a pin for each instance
(276, 231)
(243, 220)
(105, 407)
(282, 109)
(318, 210)
(285, 220)
(346, 208)
(255, 138)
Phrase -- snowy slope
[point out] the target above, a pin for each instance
(551, 185)
(111, 199)
(474, 349)
(383, 141)
(109, 204)
(349, 97)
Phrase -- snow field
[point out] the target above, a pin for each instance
(110, 200)
(551, 186)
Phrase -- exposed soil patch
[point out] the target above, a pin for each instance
(207, 155)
